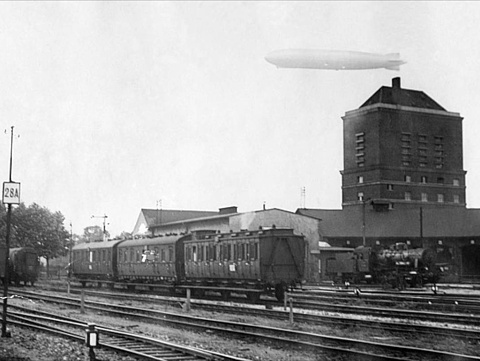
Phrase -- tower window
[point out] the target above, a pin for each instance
(406, 137)
(407, 178)
(424, 197)
(456, 182)
(440, 180)
(360, 196)
(360, 179)
(456, 198)
(423, 179)
(390, 187)
(408, 196)
(440, 198)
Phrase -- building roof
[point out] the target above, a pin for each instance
(434, 222)
(396, 95)
(161, 216)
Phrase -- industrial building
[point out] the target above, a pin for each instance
(403, 181)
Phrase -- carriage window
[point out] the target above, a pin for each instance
(138, 256)
(155, 254)
(253, 251)
(194, 251)
(104, 255)
(170, 254)
(213, 252)
(162, 256)
(243, 248)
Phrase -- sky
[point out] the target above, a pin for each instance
(119, 106)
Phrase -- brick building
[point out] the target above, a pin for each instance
(403, 181)
(402, 149)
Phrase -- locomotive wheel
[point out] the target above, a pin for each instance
(280, 289)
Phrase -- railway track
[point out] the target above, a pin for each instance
(115, 340)
(359, 349)
(414, 300)
(411, 326)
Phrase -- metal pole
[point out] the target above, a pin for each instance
(7, 252)
(69, 270)
(6, 279)
(363, 223)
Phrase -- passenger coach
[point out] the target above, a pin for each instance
(95, 261)
(149, 260)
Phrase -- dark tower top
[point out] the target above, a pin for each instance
(398, 96)
(402, 149)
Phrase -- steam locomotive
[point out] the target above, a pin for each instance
(250, 262)
(397, 265)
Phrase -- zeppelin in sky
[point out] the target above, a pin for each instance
(333, 59)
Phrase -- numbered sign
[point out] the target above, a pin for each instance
(11, 193)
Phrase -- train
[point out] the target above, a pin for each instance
(397, 265)
(23, 265)
(267, 260)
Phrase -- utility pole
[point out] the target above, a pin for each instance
(11, 195)
(159, 212)
(302, 197)
(69, 275)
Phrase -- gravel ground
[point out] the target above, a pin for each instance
(27, 345)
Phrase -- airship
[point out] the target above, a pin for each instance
(333, 59)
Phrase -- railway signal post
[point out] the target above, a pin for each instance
(10, 196)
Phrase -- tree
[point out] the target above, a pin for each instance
(37, 227)
(93, 234)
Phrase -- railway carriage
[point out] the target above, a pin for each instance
(24, 265)
(264, 259)
(148, 260)
(250, 262)
(95, 260)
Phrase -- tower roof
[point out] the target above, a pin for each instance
(398, 96)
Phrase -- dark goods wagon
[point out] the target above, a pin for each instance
(23, 265)
(261, 260)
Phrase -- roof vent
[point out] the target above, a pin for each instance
(396, 82)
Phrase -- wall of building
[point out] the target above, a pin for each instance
(392, 143)
(215, 224)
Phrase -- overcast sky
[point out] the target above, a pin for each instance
(121, 104)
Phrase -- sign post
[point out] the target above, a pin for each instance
(10, 195)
